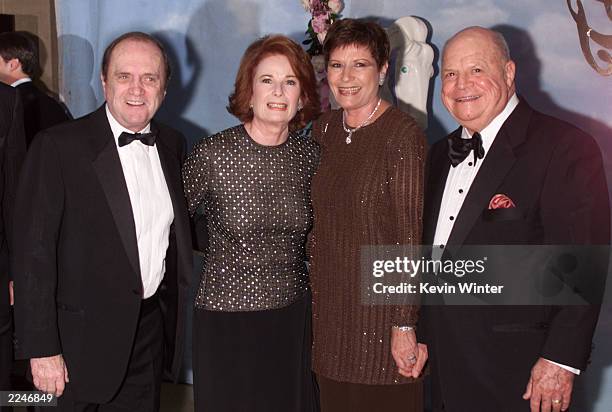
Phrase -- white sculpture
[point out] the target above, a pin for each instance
(413, 67)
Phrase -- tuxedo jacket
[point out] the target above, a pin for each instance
(40, 111)
(12, 150)
(553, 172)
(75, 260)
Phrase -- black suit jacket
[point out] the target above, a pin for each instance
(39, 110)
(12, 150)
(76, 266)
(553, 172)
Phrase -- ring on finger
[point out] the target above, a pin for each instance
(556, 401)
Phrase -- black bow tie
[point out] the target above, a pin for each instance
(459, 149)
(144, 138)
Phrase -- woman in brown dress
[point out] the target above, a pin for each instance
(368, 190)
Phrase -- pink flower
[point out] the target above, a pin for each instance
(316, 4)
(335, 6)
(319, 23)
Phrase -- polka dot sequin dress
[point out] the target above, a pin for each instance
(252, 331)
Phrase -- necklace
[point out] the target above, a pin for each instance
(351, 131)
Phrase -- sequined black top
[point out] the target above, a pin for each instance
(256, 200)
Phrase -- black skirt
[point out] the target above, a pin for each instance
(254, 361)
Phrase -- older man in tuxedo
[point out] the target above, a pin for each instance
(102, 250)
(549, 178)
(12, 149)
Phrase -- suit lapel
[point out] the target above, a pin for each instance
(171, 167)
(110, 175)
(437, 172)
(496, 166)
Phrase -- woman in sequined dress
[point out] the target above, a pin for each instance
(252, 318)
(368, 191)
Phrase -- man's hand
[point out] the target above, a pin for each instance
(549, 387)
(50, 374)
(421, 360)
(409, 357)
(11, 293)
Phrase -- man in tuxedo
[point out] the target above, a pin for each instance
(12, 149)
(102, 248)
(18, 67)
(507, 175)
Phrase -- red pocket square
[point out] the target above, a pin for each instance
(500, 201)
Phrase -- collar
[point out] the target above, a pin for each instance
(117, 128)
(488, 133)
(21, 81)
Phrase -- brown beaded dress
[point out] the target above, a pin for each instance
(252, 321)
(368, 192)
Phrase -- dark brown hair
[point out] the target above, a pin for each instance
(274, 45)
(348, 32)
(137, 36)
(21, 46)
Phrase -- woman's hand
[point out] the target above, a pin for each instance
(409, 356)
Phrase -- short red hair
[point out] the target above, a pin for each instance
(273, 45)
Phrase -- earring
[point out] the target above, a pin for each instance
(381, 80)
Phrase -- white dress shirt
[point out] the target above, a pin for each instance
(459, 181)
(151, 204)
(21, 81)
(461, 177)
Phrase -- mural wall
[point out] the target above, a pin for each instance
(206, 38)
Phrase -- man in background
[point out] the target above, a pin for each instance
(12, 149)
(19, 66)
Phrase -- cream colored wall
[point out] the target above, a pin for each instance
(38, 17)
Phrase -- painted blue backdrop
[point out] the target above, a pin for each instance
(207, 37)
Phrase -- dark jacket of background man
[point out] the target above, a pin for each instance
(19, 66)
(12, 149)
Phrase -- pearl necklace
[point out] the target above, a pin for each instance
(351, 131)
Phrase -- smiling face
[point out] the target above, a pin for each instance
(134, 83)
(276, 92)
(353, 77)
(477, 81)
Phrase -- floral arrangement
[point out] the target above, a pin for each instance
(324, 13)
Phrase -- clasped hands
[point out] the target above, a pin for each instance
(409, 356)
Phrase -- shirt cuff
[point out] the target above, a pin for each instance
(567, 368)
